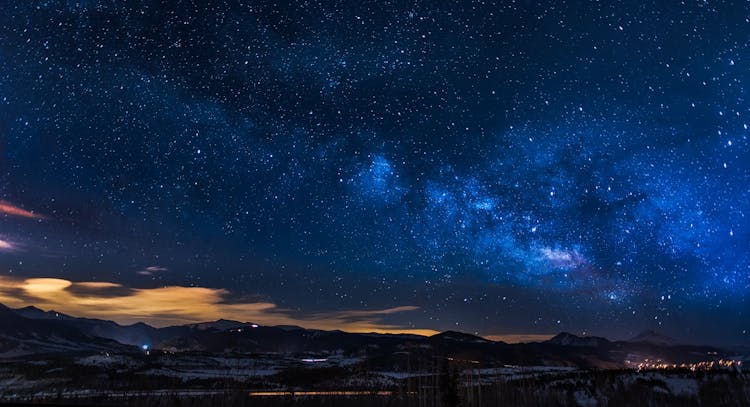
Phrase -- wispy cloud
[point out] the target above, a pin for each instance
(164, 306)
(8, 208)
(151, 270)
(6, 245)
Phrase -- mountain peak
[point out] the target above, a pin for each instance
(220, 324)
(37, 313)
(137, 325)
(459, 336)
(569, 339)
(654, 338)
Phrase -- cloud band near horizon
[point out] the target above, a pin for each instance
(175, 305)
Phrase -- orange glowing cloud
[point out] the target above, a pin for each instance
(8, 208)
(163, 306)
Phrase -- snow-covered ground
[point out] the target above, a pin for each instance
(674, 383)
(49, 376)
(107, 360)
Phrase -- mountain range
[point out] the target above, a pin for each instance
(30, 330)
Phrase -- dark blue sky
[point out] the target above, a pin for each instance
(506, 167)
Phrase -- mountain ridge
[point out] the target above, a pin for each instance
(234, 337)
(653, 337)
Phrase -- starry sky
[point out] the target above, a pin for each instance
(512, 169)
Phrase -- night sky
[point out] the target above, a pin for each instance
(507, 168)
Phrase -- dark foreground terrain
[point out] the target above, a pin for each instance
(563, 388)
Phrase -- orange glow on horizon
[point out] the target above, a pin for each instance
(175, 305)
(178, 305)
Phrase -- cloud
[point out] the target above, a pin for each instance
(8, 208)
(163, 306)
(151, 270)
(98, 289)
(6, 245)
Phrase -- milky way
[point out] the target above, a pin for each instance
(499, 168)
